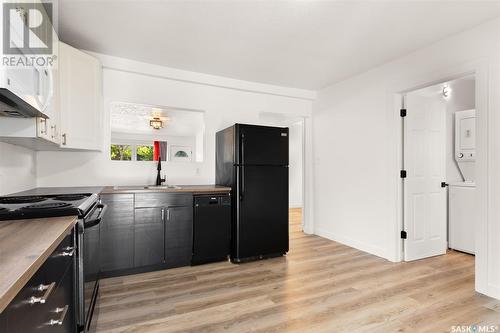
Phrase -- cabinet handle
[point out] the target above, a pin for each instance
(163, 214)
(53, 129)
(59, 321)
(48, 290)
(64, 139)
(44, 129)
(168, 214)
(67, 252)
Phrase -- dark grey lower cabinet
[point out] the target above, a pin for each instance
(46, 303)
(179, 236)
(117, 233)
(146, 231)
(148, 236)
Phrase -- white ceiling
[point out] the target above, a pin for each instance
(134, 119)
(302, 44)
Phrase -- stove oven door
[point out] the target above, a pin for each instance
(89, 271)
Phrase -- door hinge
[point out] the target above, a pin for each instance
(402, 174)
(443, 184)
(402, 112)
(404, 235)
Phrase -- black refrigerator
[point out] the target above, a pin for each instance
(253, 161)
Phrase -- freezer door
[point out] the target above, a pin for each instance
(262, 145)
(262, 219)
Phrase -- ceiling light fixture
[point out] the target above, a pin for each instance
(446, 91)
(156, 123)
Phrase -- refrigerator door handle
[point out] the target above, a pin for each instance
(242, 192)
(242, 150)
(242, 168)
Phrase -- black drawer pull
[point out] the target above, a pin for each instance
(59, 321)
(48, 290)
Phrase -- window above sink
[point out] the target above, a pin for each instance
(142, 132)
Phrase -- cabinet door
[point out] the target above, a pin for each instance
(148, 236)
(117, 233)
(54, 126)
(3, 321)
(81, 106)
(178, 236)
(49, 128)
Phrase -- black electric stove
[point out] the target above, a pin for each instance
(27, 207)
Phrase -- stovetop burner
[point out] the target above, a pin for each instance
(21, 200)
(50, 205)
(70, 197)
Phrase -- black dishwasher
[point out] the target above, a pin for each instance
(211, 229)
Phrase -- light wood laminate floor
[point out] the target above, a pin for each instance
(320, 286)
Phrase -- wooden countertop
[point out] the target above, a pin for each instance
(24, 247)
(195, 189)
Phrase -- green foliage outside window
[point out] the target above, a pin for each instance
(121, 153)
(144, 153)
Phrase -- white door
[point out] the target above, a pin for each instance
(425, 164)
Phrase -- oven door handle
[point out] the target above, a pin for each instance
(97, 220)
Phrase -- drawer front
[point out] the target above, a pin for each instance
(22, 316)
(117, 199)
(163, 199)
(61, 258)
(58, 316)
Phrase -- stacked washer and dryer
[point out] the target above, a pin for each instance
(461, 195)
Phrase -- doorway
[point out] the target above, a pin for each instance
(438, 169)
(296, 180)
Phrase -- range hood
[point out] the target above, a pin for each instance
(12, 105)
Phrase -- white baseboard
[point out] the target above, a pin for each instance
(493, 291)
(308, 230)
(375, 250)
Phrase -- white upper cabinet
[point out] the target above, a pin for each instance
(80, 99)
(49, 129)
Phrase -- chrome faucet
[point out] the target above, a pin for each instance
(159, 180)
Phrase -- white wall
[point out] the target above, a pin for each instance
(295, 163)
(355, 139)
(462, 98)
(131, 81)
(17, 168)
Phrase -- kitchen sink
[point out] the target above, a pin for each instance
(147, 187)
(162, 186)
